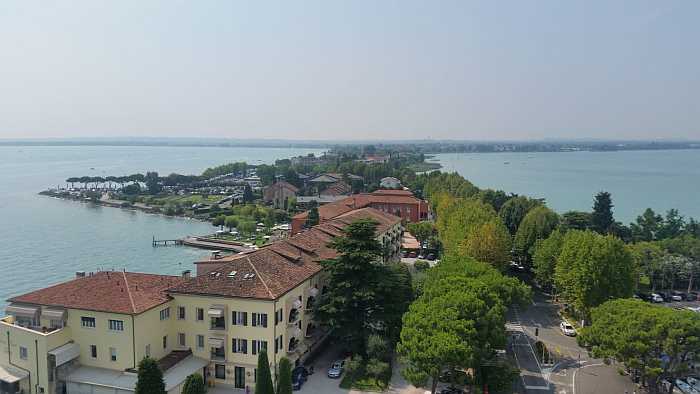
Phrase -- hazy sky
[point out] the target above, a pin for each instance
(350, 70)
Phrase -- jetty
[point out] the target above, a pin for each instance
(204, 243)
(166, 242)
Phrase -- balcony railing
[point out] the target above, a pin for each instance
(218, 324)
(218, 354)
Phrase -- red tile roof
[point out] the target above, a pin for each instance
(337, 189)
(115, 292)
(282, 266)
(334, 209)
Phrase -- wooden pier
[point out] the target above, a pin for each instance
(166, 242)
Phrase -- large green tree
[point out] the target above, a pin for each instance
(648, 260)
(602, 216)
(194, 384)
(284, 383)
(653, 340)
(576, 220)
(647, 225)
(150, 378)
(263, 382)
(423, 231)
(514, 210)
(592, 269)
(537, 224)
(359, 286)
(544, 260)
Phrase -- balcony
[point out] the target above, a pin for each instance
(217, 324)
(218, 348)
(293, 346)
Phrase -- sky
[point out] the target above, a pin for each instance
(510, 70)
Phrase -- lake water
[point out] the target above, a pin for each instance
(45, 240)
(660, 180)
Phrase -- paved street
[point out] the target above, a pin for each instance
(574, 372)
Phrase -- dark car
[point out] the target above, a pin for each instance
(644, 296)
(693, 296)
(299, 376)
(430, 256)
(412, 255)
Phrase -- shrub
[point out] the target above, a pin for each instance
(421, 265)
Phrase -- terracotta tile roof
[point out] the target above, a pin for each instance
(362, 200)
(337, 189)
(282, 266)
(116, 292)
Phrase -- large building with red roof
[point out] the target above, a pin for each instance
(88, 334)
(401, 203)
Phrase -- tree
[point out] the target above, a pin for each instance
(602, 216)
(194, 384)
(248, 194)
(655, 341)
(231, 222)
(489, 242)
(648, 261)
(495, 198)
(219, 221)
(423, 231)
(377, 369)
(576, 220)
(153, 183)
(514, 210)
(284, 384)
(672, 225)
(537, 224)
(263, 383)
(592, 269)
(350, 306)
(545, 258)
(150, 378)
(377, 347)
(313, 218)
(247, 227)
(646, 227)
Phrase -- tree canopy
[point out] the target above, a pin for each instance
(284, 383)
(150, 378)
(514, 210)
(654, 340)
(263, 383)
(194, 384)
(537, 224)
(545, 258)
(592, 269)
(602, 217)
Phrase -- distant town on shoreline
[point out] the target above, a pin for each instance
(418, 146)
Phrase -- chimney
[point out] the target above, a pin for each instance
(80, 274)
(187, 274)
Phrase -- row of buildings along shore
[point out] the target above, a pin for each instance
(87, 335)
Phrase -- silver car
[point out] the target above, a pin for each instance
(336, 369)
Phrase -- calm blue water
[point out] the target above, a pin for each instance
(45, 240)
(660, 180)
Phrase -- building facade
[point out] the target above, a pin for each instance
(87, 335)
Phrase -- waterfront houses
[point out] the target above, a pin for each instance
(87, 335)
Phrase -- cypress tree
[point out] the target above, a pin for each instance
(602, 217)
(150, 378)
(284, 385)
(194, 384)
(263, 384)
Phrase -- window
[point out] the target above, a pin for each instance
(200, 341)
(239, 345)
(278, 316)
(113, 354)
(165, 342)
(148, 350)
(181, 339)
(23, 354)
(165, 314)
(279, 344)
(93, 351)
(259, 346)
(116, 325)
(181, 313)
(220, 371)
(88, 322)
(259, 319)
(239, 318)
(200, 314)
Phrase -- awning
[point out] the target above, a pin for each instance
(65, 353)
(313, 292)
(216, 311)
(297, 304)
(10, 374)
(53, 314)
(216, 342)
(24, 311)
(297, 333)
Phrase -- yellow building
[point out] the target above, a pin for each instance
(87, 335)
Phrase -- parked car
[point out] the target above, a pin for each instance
(694, 296)
(643, 296)
(336, 369)
(656, 298)
(676, 295)
(412, 255)
(430, 256)
(567, 329)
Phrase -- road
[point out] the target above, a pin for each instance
(573, 372)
